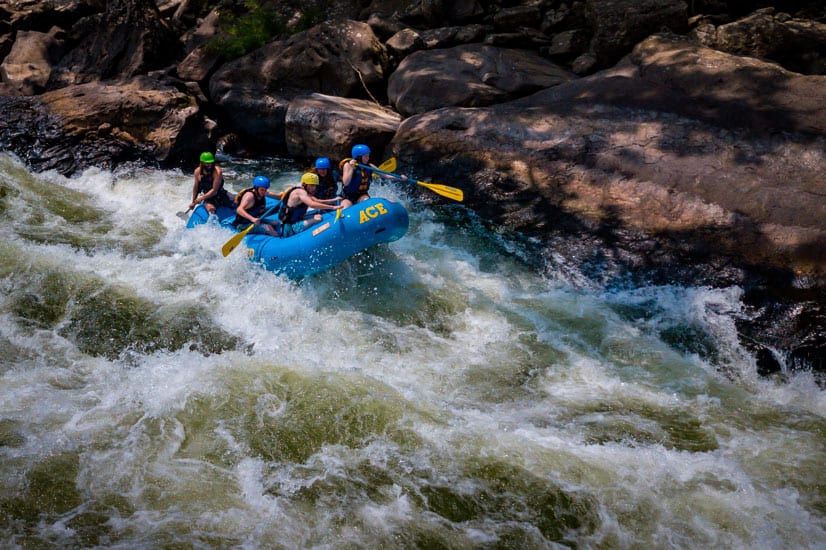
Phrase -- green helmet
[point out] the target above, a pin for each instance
(207, 158)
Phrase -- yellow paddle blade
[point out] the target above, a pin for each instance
(338, 215)
(236, 239)
(444, 190)
(389, 165)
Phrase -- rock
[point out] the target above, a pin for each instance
(567, 44)
(404, 42)
(128, 39)
(434, 11)
(512, 40)
(464, 11)
(206, 29)
(321, 125)
(101, 124)
(472, 75)
(198, 65)
(342, 58)
(584, 64)
(41, 140)
(446, 37)
(680, 144)
(151, 114)
(730, 91)
(185, 11)
(798, 45)
(6, 43)
(683, 164)
(384, 26)
(564, 17)
(520, 16)
(39, 15)
(28, 66)
(620, 24)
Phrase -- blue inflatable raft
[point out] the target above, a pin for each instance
(324, 244)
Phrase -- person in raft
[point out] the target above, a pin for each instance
(355, 180)
(295, 202)
(209, 184)
(327, 179)
(252, 204)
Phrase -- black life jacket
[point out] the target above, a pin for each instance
(257, 206)
(291, 214)
(205, 183)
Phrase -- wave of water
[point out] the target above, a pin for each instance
(434, 392)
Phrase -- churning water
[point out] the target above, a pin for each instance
(434, 392)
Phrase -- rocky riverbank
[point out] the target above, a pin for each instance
(683, 142)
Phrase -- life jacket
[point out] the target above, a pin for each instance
(291, 214)
(205, 183)
(327, 185)
(257, 206)
(359, 183)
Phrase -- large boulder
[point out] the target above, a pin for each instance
(447, 37)
(797, 44)
(708, 155)
(199, 62)
(472, 75)
(128, 39)
(40, 15)
(342, 58)
(28, 65)
(141, 111)
(321, 125)
(103, 124)
(618, 25)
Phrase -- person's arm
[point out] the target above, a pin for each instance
(317, 204)
(246, 202)
(347, 173)
(195, 188)
(388, 176)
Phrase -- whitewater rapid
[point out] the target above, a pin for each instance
(434, 392)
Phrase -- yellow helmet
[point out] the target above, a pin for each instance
(309, 178)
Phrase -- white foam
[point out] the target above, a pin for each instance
(484, 359)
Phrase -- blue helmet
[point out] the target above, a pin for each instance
(321, 163)
(261, 181)
(360, 150)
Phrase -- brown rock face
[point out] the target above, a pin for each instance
(128, 39)
(342, 58)
(101, 124)
(140, 111)
(798, 45)
(469, 76)
(677, 145)
(28, 65)
(620, 24)
(320, 125)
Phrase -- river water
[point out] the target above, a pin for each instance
(436, 392)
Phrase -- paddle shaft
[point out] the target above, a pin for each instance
(236, 239)
(444, 190)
